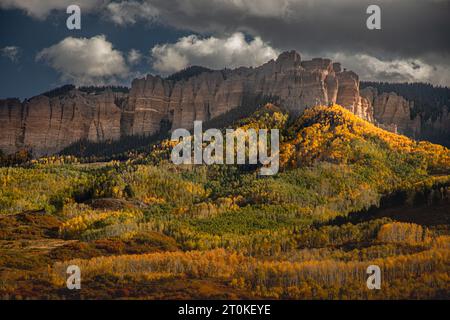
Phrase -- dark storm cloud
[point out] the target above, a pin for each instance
(409, 27)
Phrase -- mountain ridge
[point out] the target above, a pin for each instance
(48, 124)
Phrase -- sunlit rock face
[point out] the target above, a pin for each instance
(294, 83)
(147, 105)
(47, 125)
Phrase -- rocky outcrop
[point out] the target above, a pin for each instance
(393, 112)
(147, 105)
(349, 95)
(48, 124)
(294, 83)
(11, 134)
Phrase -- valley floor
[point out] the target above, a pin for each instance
(31, 250)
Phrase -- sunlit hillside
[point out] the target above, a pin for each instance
(348, 195)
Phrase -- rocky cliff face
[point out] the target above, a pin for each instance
(47, 125)
(296, 84)
(11, 114)
(393, 112)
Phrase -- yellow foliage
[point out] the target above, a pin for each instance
(76, 225)
(324, 133)
(403, 232)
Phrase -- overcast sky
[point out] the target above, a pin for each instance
(121, 40)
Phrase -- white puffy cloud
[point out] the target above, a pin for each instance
(86, 61)
(134, 56)
(41, 8)
(130, 12)
(10, 52)
(394, 70)
(212, 52)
